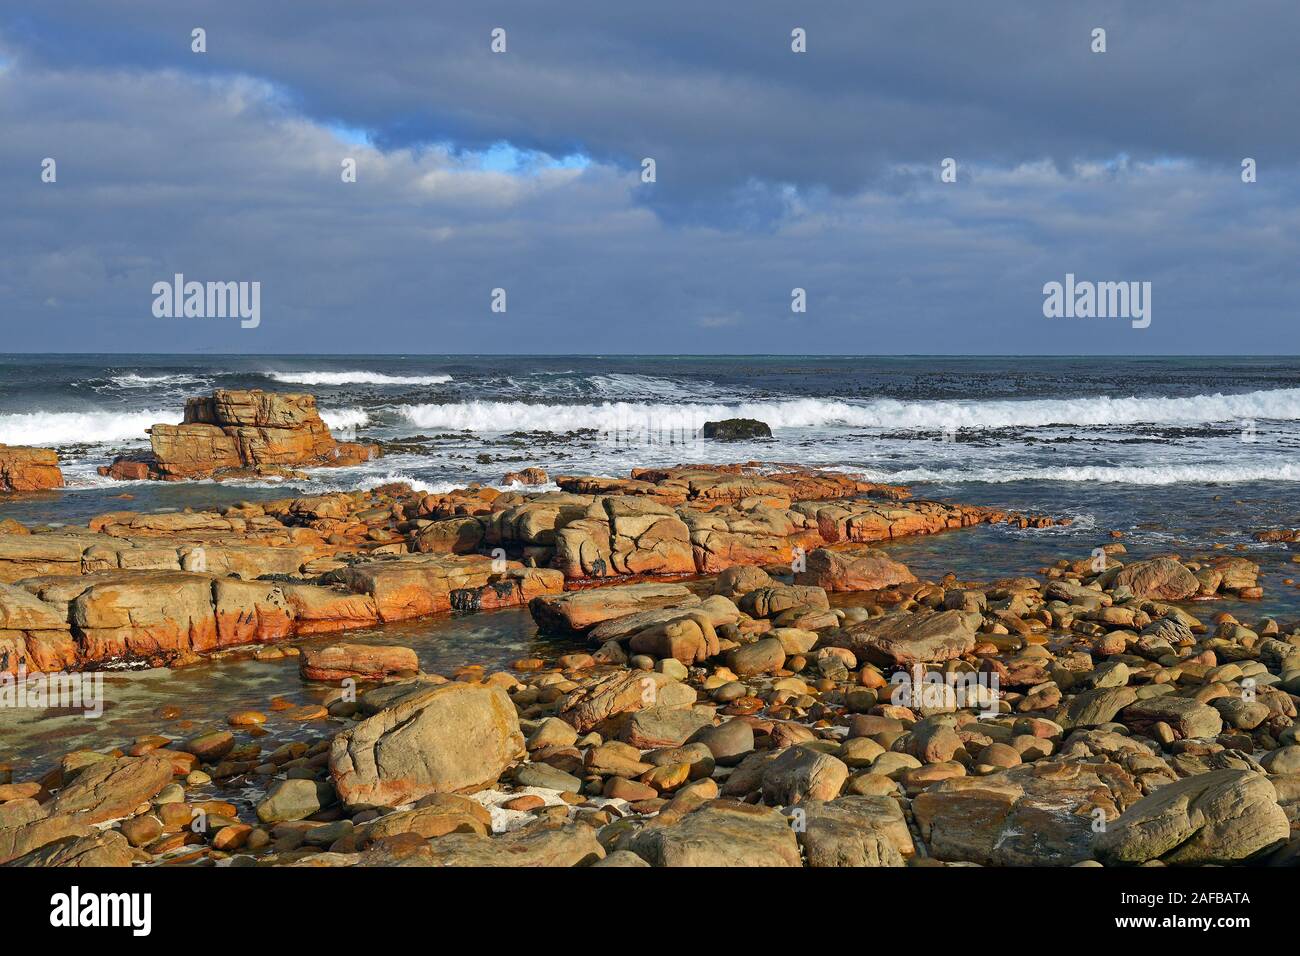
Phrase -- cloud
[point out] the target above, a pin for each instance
(522, 171)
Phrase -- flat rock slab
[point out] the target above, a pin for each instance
(337, 662)
(580, 611)
(1037, 814)
(622, 692)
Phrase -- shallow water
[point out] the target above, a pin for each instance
(33, 741)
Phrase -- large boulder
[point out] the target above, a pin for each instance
(1215, 818)
(1162, 579)
(801, 773)
(454, 737)
(29, 469)
(911, 638)
(612, 695)
(242, 429)
(18, 841)
(1092, 708)
(122, 614)
(108, 789)
(1036, 814)
(721, 833)
(99, 849)
(855, 831)
(1187, 717)
(866, 570)
(416, 585)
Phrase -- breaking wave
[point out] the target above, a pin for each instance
(355, 378)
(488, 416)
(78, 428)
(1106, 474)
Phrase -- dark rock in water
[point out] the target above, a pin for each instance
(736, 429)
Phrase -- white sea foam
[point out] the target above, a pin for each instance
(1174, 474)
(485, 416)
(69, 428)
(355, 378)
(345, 419)
(132, 380)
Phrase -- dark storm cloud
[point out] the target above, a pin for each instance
(776, 170)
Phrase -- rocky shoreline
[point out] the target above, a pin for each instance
(164, 588)
(760, 686)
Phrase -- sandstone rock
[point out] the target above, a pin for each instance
(729, 742)
(721, 833)
(112, 788)
(690, 639)
(739, 580)
(434, 816)
(855, 831)
(911, 638)
(528, 476)
(28, 469)
(448, 738)
(1037, 814)
(800, 773)
(1093, 708)
(106, 848)
(761, 657)
(18, 841)
(661, 726)
(294, 799)
(621, 692)
(1162, 578)
(535, 846)
(1187, 717)
(1215, 818)
(866, 570)
(337, 662)
(416, 585)
(580, 611)
(122, 614)
(769, 602)
(255, 430)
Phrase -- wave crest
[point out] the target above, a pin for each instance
(77, 428)
(488, 416)
(355, 378)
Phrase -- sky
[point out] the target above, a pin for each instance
(775, 170)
